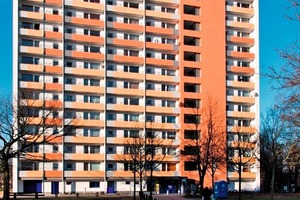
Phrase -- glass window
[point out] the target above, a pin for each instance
(94, 166)
(95, 132)
(55, 166)
(94, 184)
(95, 99)
(94, 149)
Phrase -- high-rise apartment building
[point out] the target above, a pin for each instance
(113, 63)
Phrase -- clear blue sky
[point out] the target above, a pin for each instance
(276, 32)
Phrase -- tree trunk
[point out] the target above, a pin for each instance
(273, 181)
(151, 185)
(134, 180)
(213, 181)
(240, 181)
(201, 183)
(141, 187)
(6, 176)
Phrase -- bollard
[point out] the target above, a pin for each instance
(36, 195)
(15, 195)
(56, 195)
(77, 195)
(97, 194)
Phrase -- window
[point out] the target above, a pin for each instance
(94, 132)
(55, 12)
(55, 80)
(69, 167)
(110, 116)
(55, 63)
(69, 149)
(55, 148)
(110, 166)
(110, 150)
(55, 166)
(190, 166)
(94, 166)
(94, 184)
(94, 149)
(55, 29)
(55, 96)
(192, 134)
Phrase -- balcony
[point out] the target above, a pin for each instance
(53, 35)
(243, 26)
(91, 175)
(238, 84)
(238, 99)
(84, 106)
(85, 38)
(53, 70)
(245, 176)
(125, 27)
(161, 31)
(31, 67)
(163, 94)
(31, 50)
(125, 75)
(125, 59)
(55, 2)
(32, 15)
(125, 91)
(162, 110)
(126, 43)
(241, 55)
(248, 12)
(162, 78)
(236, 114)
(31, 85)
(85, 5)
(125, 10)
(31, 32)
(87, 122)
(84, 72)
(162, 62)
(53, 52)
(84, 140)
(241, 70)
(163, 47)
(84, 89)
(85, 22)
(241, 40)
(53, 87)
(53, 18)
(162, 15)
(125, 108)
(84, 157)
(84, 55)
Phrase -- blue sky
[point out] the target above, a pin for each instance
(276, 32)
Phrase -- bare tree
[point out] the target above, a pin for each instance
(272, 142)
(157, 150)
(206, 148)
(134, 157)
(24, 126)
(241, 153)
(287, 80)
(144, 153)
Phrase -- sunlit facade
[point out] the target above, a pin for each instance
(113, 64)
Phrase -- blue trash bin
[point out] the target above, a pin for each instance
(221, 190)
